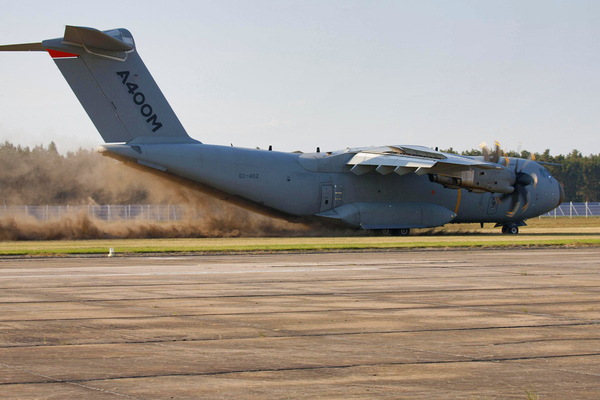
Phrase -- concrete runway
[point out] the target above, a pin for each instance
(409, 325)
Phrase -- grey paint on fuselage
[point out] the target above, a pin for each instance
(292, 183)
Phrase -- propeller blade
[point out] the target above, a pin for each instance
(521, 192)
(485, 150)
(497, 152)
(512, 212)
(525, 193)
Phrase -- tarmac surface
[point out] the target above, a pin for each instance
(386, 325)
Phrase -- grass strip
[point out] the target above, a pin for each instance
(219, 245)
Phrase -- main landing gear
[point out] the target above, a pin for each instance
(510, 229)
(391, 232)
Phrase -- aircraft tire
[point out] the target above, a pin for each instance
(510, 229)
(400, 232)
(387, 232)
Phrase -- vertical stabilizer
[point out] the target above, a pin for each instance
(112, 84)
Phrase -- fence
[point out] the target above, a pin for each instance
(147, 212)
(140, 212)
(575, 210)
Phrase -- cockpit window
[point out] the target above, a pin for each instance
(544, 173)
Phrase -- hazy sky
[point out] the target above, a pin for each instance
(302, 74)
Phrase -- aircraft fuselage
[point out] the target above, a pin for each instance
(298, 186)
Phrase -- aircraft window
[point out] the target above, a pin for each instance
(544, 173)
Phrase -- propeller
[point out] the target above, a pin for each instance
(522, 182)
(490, 155)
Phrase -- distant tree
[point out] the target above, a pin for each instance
(449, 150)
(52, 148)
(472, 152)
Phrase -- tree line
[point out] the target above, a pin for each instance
(579, 174)
(41, 175)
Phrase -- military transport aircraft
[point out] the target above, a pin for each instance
(389, 189)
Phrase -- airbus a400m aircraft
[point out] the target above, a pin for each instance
(390, 189)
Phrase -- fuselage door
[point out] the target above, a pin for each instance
(326, 197)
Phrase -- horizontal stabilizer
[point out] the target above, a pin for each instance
(23, 47)
(93, 38)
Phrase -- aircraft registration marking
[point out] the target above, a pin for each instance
(248, 176)
(140, 99)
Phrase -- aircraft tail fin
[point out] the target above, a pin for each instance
(112, 84)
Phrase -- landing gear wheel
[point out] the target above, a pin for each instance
(510, 229)
(400, 232)
(395, 232)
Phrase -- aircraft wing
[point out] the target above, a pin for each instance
(407, 159)
(450, 170)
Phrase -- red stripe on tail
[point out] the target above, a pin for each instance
(61, 54)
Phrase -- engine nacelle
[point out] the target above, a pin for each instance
(479, 180)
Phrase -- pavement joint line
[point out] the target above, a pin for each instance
(537, 287)
(553, 369)
(503, 311)
(544, 341)
(425, 306)
(205, 263)
(305, 293)
(187, 273)
(497, 268)
(502, 361)
(304, 368)
(57, 380)
(291, 335)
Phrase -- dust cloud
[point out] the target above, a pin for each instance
(42, 176)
